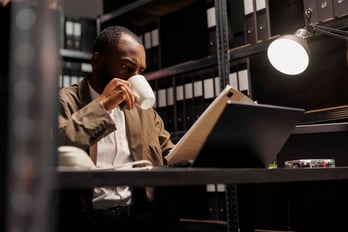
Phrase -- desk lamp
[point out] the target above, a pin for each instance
(289, 54)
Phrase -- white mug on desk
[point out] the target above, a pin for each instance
(143, 92)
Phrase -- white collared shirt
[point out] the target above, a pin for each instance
(112, 150)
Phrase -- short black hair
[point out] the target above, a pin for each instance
(110, 36)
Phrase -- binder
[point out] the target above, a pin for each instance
(86, 68)
(68, 33)
(198, 98)
(171, 113)
(189, 103)
(147, 40)
(257, 20)
(325, 10)
(66, 74)
(236, 23)
(76, 72)
(240, 81)
(208, 91)
(217, 86)
(340, 7)
(239, 77)
(262, 20)
(77, 32)
(88, 33)
(212, 202)
(165, 102)
(147, 46)
(211, 25)
(216, 202)
(151, 43)
(243, 82)
(180, 105)
(73, 72)
(221, 202)
(161, 106)
(203, 90)
(155, 56)
(250, 22)
(233, 80)
(74, 79)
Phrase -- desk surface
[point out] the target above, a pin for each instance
(321, 128)
(195, 176)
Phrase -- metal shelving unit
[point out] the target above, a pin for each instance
(32, 87)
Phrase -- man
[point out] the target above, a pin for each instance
(100, 116)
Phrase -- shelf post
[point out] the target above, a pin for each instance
(32, 116)
(222, 42)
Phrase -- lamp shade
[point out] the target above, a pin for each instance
(289, 54)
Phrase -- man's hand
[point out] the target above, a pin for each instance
(116, 92)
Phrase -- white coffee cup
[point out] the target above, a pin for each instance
(143, 92)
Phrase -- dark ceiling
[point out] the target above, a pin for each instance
(141, 12)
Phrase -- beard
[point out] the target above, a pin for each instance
(104, 76)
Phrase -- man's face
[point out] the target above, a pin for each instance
(124, 60)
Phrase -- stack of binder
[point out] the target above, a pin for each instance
(257, 23)
(79, 33)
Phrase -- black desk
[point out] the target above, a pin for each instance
(308, 199)
(195, 176)
(313, 141)
(297, 190)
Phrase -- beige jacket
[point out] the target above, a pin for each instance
(82, 122)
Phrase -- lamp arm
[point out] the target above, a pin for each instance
(338, 31)
(340, 34)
